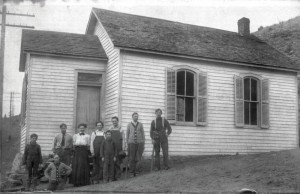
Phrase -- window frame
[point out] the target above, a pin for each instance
(264, 101)
(196, 72)
(185, 96)
(258, 112)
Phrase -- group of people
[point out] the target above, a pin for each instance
(106, 146)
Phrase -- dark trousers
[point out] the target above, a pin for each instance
(163, 143)
(135, 156)
(117, 139)
(108, 167)
(117, 169)
(64, 155)
(32, 167)
(97, 168)
(56, 185)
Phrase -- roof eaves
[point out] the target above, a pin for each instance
(91, 22)
(207, 58)
(64, 55)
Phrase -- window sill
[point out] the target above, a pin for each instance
(252, 127)
(192, 124)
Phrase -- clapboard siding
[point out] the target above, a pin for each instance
(25, 128)
(220, 136)
(53, 94)
(23, 138)
(112, 74)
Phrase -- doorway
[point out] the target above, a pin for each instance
(88, 106)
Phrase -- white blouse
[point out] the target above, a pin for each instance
(81, 139)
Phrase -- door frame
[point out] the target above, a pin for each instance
(102, 95)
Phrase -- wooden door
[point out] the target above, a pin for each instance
(88, 106)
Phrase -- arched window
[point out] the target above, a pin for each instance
(185, 95)
(251, 101)
(186, 101)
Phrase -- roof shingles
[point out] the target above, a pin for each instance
(144, 33)
(61, 43)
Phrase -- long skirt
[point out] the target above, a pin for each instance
(81, 167)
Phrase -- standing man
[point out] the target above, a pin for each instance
(63, 144)
(159, 137)
(97, 138)
(117, 138)
(135, 138)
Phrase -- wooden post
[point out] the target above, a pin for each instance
(2, 67)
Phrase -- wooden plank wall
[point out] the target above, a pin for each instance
(143, 90)
(52, 91)
(112, 75)
(24, 129)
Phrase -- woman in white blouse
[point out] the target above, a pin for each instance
(80, 165)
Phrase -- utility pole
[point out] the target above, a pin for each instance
(11, 105)
(2, 49)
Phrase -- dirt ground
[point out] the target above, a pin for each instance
(267, 172)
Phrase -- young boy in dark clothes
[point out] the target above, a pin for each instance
(32, 158)
(108, 153)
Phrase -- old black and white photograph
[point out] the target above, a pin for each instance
(150, 96)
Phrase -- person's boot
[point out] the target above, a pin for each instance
(34, 183)
(28, 184)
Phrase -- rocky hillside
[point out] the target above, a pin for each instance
(284, 36)
(10, 142)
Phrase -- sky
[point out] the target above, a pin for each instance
(72, 16)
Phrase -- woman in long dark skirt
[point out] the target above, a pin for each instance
(80, 165)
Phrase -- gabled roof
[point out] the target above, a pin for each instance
(157, 35)
(60, 43)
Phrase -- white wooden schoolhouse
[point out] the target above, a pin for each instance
(223, 92)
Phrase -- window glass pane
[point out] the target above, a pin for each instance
(90, 77)
(180, 82)
(189, 84)
(246, 113)
(253, 90)
(247, 89)
(180, 109)
(189, 109)
(253, 113)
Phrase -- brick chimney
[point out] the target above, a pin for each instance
(244, 26)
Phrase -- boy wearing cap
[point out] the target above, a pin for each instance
(159, 133)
